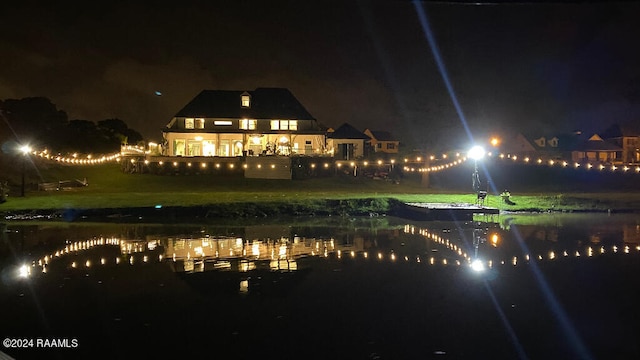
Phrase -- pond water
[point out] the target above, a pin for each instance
(505, 287)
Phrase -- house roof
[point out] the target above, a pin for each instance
(620, 130)
(595, 143)
(346, 131)
(382, 135)
(266, 103)
(566, 141)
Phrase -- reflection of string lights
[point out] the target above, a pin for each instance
(281, 255)
(551, 255)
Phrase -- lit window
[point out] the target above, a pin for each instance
(199, 123)
(284, 124)
(247, 124)
(179, 147)
(246, 101)
(222, 123)
(188, 123)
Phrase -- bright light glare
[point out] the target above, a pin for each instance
(24, 271)
(476, 152)
(477, 265)
(25, 149)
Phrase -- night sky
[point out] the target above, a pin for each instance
(532, 67)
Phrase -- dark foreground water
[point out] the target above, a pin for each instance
(508, 287)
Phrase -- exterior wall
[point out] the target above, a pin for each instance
(519, 146)
(594, 156)
(234, 125)
(384, 146)
(356, 147)
(388, 147)
(244, 143)
(268, 167)
(630, 146)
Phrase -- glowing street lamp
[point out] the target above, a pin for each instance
(25, 150)
(476, 153)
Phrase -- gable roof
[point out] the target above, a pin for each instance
(266, 103)
(381, 135)
(346, 131)
(595, 143)
(566, 141)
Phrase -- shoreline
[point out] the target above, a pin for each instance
(246, 210)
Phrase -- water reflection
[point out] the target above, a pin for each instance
(389, 286)
(282, 248)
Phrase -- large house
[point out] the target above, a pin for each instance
(265, 121)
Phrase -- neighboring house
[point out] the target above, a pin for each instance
(627, 137)
(596, 150)
(347, 142)
(265, 121)
(382, 141)
(550, 147)
(518, 145)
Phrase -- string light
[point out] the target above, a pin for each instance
(131, 150)
(575, 165)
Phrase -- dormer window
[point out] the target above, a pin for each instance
(245, 100)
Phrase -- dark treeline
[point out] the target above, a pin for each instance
(37, 122)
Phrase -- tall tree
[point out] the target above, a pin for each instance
(33, 120)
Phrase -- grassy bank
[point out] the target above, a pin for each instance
(110, 188)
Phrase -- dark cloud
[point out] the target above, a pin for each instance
(550, 66)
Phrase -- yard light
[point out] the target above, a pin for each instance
(476, 153)
(477, 265)
(25, 150)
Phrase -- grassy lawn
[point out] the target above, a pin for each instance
(111, 188)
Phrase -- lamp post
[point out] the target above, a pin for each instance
(476, 153)
(24, 149)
